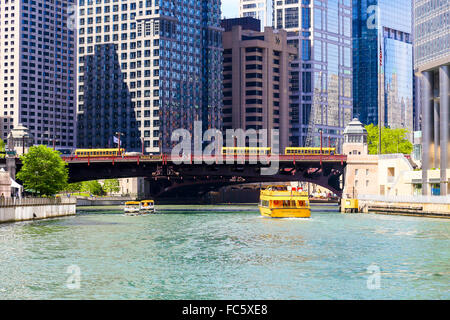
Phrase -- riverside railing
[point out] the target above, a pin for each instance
(12, 202)
(406, 199)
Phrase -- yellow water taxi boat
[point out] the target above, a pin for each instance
(280, 202)
(147, 206)
(131, 207)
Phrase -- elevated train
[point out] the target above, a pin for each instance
(287, 151)
(247, 151)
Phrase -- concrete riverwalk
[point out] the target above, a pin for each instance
(15, 209)
(433, 207)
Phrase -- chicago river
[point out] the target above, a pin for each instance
(225, 252)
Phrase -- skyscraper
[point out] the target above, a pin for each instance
(432, 65)
(256, 79)
(37, 70)
(147, 68)
(382, 62)
(258, 9)
(322, 75)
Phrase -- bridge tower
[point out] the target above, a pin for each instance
(361, 172)
(355, 139)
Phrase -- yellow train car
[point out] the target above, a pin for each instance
(309, 151)
(81, 153)
(245, 151)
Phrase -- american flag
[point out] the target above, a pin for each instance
(116, 140)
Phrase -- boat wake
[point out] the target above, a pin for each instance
(290, 218)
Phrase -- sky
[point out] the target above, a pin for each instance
(230, 8)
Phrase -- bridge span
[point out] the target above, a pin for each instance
(168, 177)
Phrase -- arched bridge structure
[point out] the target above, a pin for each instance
(167, 177)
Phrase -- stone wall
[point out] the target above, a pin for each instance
(437, 207)
(12, 210)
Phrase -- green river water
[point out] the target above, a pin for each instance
(225, 252)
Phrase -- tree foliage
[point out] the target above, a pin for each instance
(111, 185)
(392, 140)
(43, 171)
(73, 187)
(2, 148)
(93, 187)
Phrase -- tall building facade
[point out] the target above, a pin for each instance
(322, 76)
(37, 70)
(432, 65)
(256, 80)
(258, 9)
(383, 63)
(147, 68)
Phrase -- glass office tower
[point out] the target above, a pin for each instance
(147, 68)
(322, 76)
(383, 62)
(432, 66)
(258, 9)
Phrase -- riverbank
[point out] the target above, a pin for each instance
(418, 206)
(13, 210)
(102, 201)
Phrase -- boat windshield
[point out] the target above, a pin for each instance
(131, 203)
(277, 188)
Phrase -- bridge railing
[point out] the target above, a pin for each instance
(12, 202)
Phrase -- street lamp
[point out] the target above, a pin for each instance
(118, 144)
(54, 141)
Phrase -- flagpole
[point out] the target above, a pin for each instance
(380, 92)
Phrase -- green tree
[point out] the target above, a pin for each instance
(2, 148)
(392, 140)
(93, 187)
(73, 187)
(111, 185)
(43, 171)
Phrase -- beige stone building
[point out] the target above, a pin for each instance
(256, 73)
(381, 175)
(19, 139)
